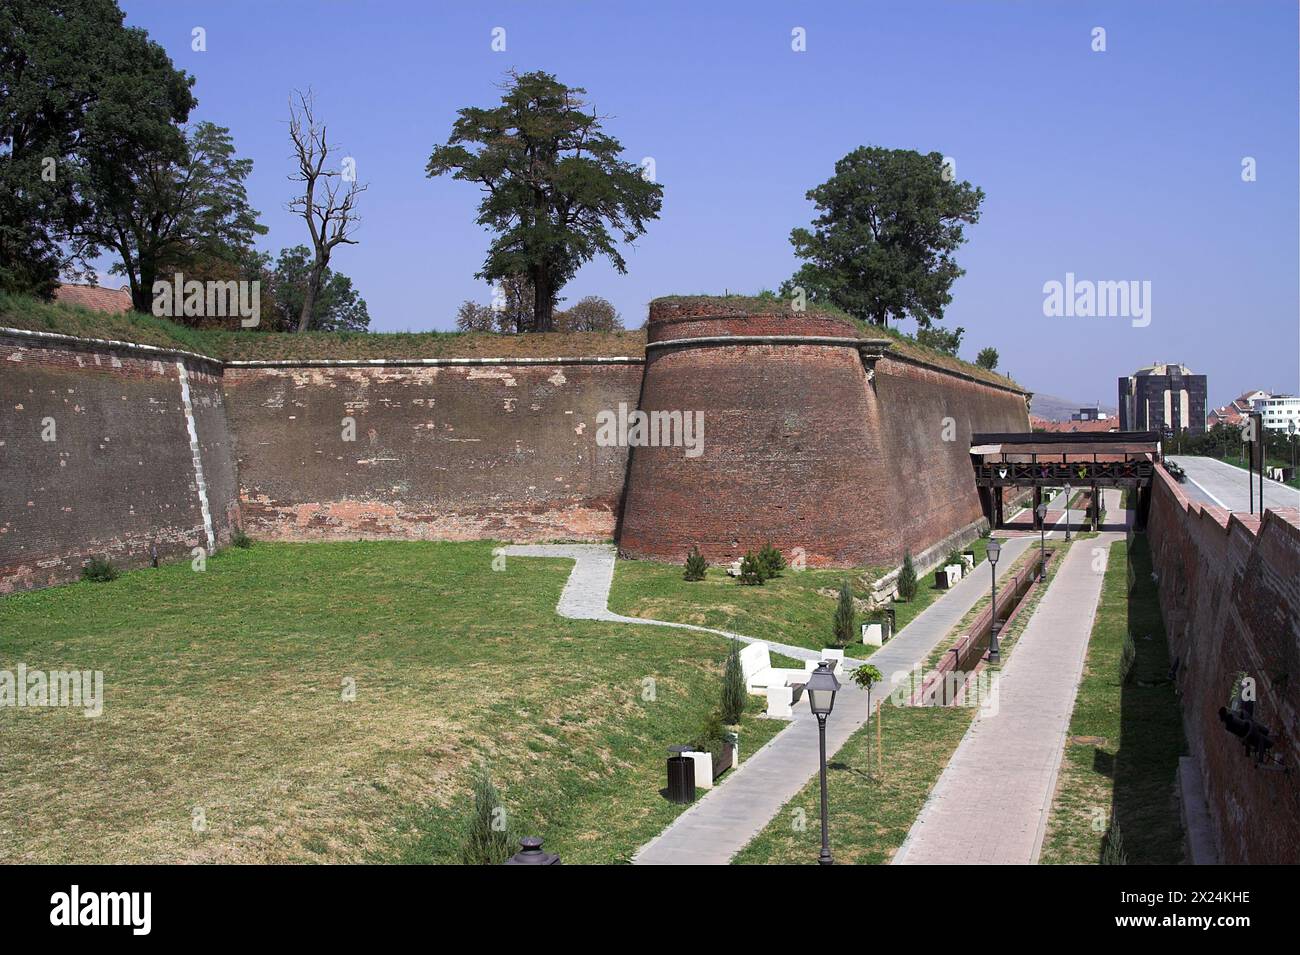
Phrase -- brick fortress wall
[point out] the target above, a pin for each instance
(118, 474)
(814, 440)
(1230, 594)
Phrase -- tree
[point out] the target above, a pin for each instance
(733, 686)
(752, 571)
(84, 103)
(845, 616)
(882, 245)
(941, 340)
(171, 214)
(907, 577)
(589, 314)
(987, 358)
(328, 200)
(554, 185)
(696, 566)
(337, 306)
(867, 676)
(473, 317)
(512, 301)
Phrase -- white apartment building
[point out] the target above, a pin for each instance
(1278, 411)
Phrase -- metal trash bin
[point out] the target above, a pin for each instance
(681, 776)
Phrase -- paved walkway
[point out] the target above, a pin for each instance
(992, 801)
(1213, 482)
(721, 823)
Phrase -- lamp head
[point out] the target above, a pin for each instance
(821, 689)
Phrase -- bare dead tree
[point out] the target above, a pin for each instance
(328, 200)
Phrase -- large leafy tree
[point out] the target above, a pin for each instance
(82, 100)
(556, 192)
(336, 304)
(173, 211)
(882, 244)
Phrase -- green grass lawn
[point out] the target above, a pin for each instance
(1125, 739)
(797, 608)
(224, 704)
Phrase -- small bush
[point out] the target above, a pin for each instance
(696, 565)
(907, 577)
(1112, 848)
(845, 616)
(1127, 658)
(100, 570)
(954, 557)
(733, 687)
(239, 539)
(487, 832)
(711, 737)
(771, 560)
(751, 571)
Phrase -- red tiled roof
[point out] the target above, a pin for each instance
(1069, 427)
(94, 297)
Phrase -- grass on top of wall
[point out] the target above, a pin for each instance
(21, 311)
(224, 702)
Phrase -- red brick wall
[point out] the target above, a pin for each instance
(1230, 594)
(451, 452)
(119, 475)
(801, 449)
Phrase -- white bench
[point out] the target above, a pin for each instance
(756, 666)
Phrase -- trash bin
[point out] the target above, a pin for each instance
(681, 778)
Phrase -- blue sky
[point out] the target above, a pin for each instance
(1122, 165)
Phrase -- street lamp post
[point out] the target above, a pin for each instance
(1042, 541)
(1067, 512)
(995, 551)
(1290, 427)
(821, 689)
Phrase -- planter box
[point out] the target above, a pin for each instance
(873, 634)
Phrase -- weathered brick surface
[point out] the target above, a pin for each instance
(801, 449)
(443, 452)
(1230, 594)
(119, 475)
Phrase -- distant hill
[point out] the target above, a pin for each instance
(1059, 409)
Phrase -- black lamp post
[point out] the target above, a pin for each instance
(1290, 427)
(995, 551)
(1042, 541)
(821, 689)
(530, 853)
(1067, 512)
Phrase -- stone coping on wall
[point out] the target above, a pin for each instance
(109, 344)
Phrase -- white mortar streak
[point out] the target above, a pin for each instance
(200, 484)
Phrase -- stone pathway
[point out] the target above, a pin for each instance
(720, 824)
(992, 801)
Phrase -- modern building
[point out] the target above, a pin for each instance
(1278, 411)
(1163, 396)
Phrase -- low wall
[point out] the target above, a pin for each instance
(98, 459)
(1230, 593)
(447, 449)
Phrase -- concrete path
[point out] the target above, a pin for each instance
(721, 823)
(991, 803)
(586, 594)
(1213, 482)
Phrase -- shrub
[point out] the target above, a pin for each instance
(240, 539)
(733, 687)
(99, 569)
(696, 565)
(751, 571)
(954, 557)
(771, 560)
(711, 737)
(1127, 657)
(487, 835)
(907, 577)
(1112, 847)
(845, 616)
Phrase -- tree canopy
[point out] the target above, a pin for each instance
(882, 244)
(556, 192)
